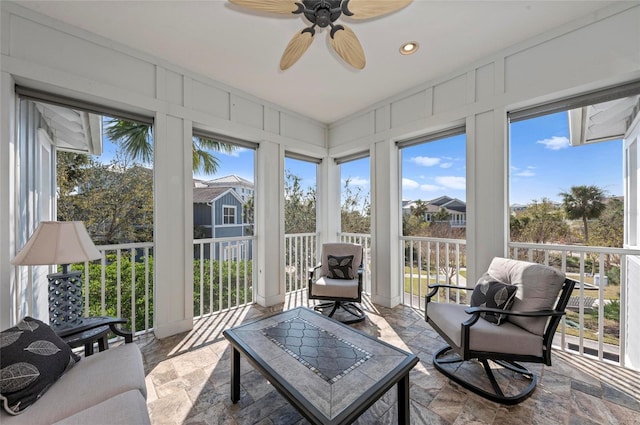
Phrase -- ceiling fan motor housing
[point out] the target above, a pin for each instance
(322, 12)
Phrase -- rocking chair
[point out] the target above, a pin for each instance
(516, 313)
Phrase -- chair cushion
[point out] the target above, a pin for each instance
(506, 338)
(493, 294)
(32, 359)
(341, 250)
(340, 267)
(335, 288)
(538, 289)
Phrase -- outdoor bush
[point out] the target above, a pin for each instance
(232, 271)
(111, 289)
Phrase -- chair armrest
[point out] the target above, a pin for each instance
(434, 289)
(313, 270)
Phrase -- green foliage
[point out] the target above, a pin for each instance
(608, 229)
(216, 275)
(613, 275)
(136, 141)
(71, 171)
(541, 222)
(355, 210)
(114, 201)
(299, 206)
(232, 271)
(111, 288)
(584, 203)
(612, 310)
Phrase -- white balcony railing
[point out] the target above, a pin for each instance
(364, 240)
(223, 274)
(429, 261)
(301, 253)
(300, 256)
(121, 284)
(595, 323)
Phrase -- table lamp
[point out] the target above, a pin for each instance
(60, 242)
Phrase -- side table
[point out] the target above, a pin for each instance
(91, 330)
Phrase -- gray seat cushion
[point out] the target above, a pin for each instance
(484, 336)
(339, 288)
(538, 289)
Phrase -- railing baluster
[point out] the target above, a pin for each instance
(133, 291)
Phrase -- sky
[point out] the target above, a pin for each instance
(542, 164)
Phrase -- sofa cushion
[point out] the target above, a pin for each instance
(95, 379)
(493, 294)
(128, 408)
(538, 289)
(32, 358)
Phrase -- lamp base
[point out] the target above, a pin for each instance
(65, 299)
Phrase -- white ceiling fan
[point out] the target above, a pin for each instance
(323, 13)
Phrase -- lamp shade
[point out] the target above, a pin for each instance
(58, 242)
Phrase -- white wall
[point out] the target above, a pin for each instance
(45, 54)
(592, 53)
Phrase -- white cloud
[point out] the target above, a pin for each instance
(555, 143)
(236, 152)
(446, 165)
(525, 173)
(452, 182)
(429, 187)
(358, 181)
(409, 184)
(425, 161)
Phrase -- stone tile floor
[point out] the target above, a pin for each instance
(188, 381)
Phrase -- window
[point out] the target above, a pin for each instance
(228, 214)
(434, 185)
(355, 200)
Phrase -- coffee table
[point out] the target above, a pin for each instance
(330, 372)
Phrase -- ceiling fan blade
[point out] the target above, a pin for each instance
(347, 46)
(296, 47)
(365, 9)
(272, 6)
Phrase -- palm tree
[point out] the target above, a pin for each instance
(135, 139)
(583, 202)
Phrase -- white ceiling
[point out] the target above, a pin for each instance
(242, 49)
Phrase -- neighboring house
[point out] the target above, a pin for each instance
(242, 187)
(218, 213)
(456, 209)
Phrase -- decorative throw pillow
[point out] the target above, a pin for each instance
(340, 267)
(493, 294)
(32, 358)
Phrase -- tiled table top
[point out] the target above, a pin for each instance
(329, 367)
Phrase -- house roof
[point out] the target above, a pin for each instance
(202, 195)
(231, 180)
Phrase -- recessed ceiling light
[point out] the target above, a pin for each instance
(409, 48)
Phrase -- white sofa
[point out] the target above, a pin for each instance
(105, 388)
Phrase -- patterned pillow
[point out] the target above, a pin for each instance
(340, 267)
(493, 294)
(32, 358)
